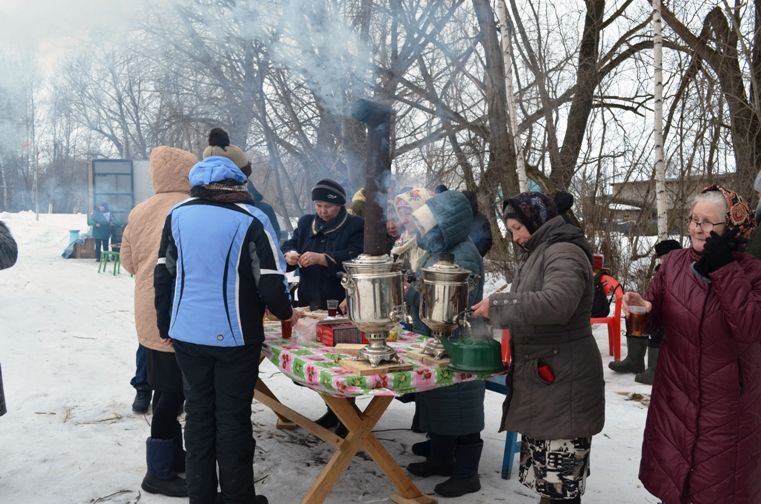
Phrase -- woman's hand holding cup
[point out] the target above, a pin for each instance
(636, 308)
(634, 299)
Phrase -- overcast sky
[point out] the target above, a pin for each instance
(50, 29)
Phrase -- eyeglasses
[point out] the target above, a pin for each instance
(704, 226)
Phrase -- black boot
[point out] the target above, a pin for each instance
(259, 499)
(341, 430)
(160, 478)
(635, 356)
(328, 420)
(464, 480)
(142, 401)
(575, 500)
(415, 427)
(441, 459)
(422, 449)
(652, 361)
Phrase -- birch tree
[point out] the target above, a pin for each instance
(660, 168)
(507, 49)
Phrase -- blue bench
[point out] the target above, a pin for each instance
(512, 445)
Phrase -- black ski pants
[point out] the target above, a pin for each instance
(219, 387)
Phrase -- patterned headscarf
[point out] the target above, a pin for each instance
(412, 199)
(532, 209)
(739, 215)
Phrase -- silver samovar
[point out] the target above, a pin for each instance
(375, 299)
(443, 301)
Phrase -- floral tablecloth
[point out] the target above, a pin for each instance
(316, 366)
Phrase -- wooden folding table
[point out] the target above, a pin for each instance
(318, 367)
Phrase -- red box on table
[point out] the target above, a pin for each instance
(332, 333)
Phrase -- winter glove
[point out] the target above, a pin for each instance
(717, 252)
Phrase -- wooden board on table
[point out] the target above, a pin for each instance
(316, 314)
(429, 361)
(349, 348)
(363, 368)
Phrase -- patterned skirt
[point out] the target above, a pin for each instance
(555, 468)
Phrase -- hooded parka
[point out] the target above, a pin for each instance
(459, 409)
(169, 168)
(548, 313)
(702, 442)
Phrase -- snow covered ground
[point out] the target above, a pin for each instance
(67, 347)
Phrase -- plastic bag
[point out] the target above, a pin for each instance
(305, 331)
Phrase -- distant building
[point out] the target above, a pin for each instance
(627, 201)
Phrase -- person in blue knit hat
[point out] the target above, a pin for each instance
(218, 238)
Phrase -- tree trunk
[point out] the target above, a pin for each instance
(660, 168)
(507, 54)
(587, 79)
(718, 48)
(501, 164)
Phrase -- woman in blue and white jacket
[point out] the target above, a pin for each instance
(219, 269)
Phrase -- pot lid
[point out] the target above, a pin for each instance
(446, 269)
(366, 263)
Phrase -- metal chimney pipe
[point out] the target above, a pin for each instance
(377, 116)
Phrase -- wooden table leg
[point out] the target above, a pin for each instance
(281, 423)
(264, 395)
(360, 436)
(359, 425)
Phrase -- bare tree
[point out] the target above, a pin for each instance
(725, 50)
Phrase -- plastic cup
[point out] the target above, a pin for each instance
(286, 328)
(332, 307)
(637, 316)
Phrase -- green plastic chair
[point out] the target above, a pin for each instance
(105, 257)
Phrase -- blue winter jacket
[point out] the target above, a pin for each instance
(219, 268)
(459, 409)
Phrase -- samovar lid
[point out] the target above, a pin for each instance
(446, 269)
(365, 263)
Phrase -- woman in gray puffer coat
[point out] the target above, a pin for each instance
(453, 416)
(8, 255)
(558, 396)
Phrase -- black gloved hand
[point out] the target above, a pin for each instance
(717, 252)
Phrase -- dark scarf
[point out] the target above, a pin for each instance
(532, 209)
(222, 193)
(331, 226)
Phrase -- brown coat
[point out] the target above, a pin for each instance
(169, 168)
(547, 312)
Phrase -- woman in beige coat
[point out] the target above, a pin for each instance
(169, 168)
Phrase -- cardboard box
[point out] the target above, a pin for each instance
(342, 332)
(84, 250)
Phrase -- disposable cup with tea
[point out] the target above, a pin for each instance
(332, 307)
(286, 328)
(637, 317)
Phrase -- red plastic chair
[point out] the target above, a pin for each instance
(611, 285)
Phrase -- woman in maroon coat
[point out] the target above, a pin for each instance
(702, 442)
